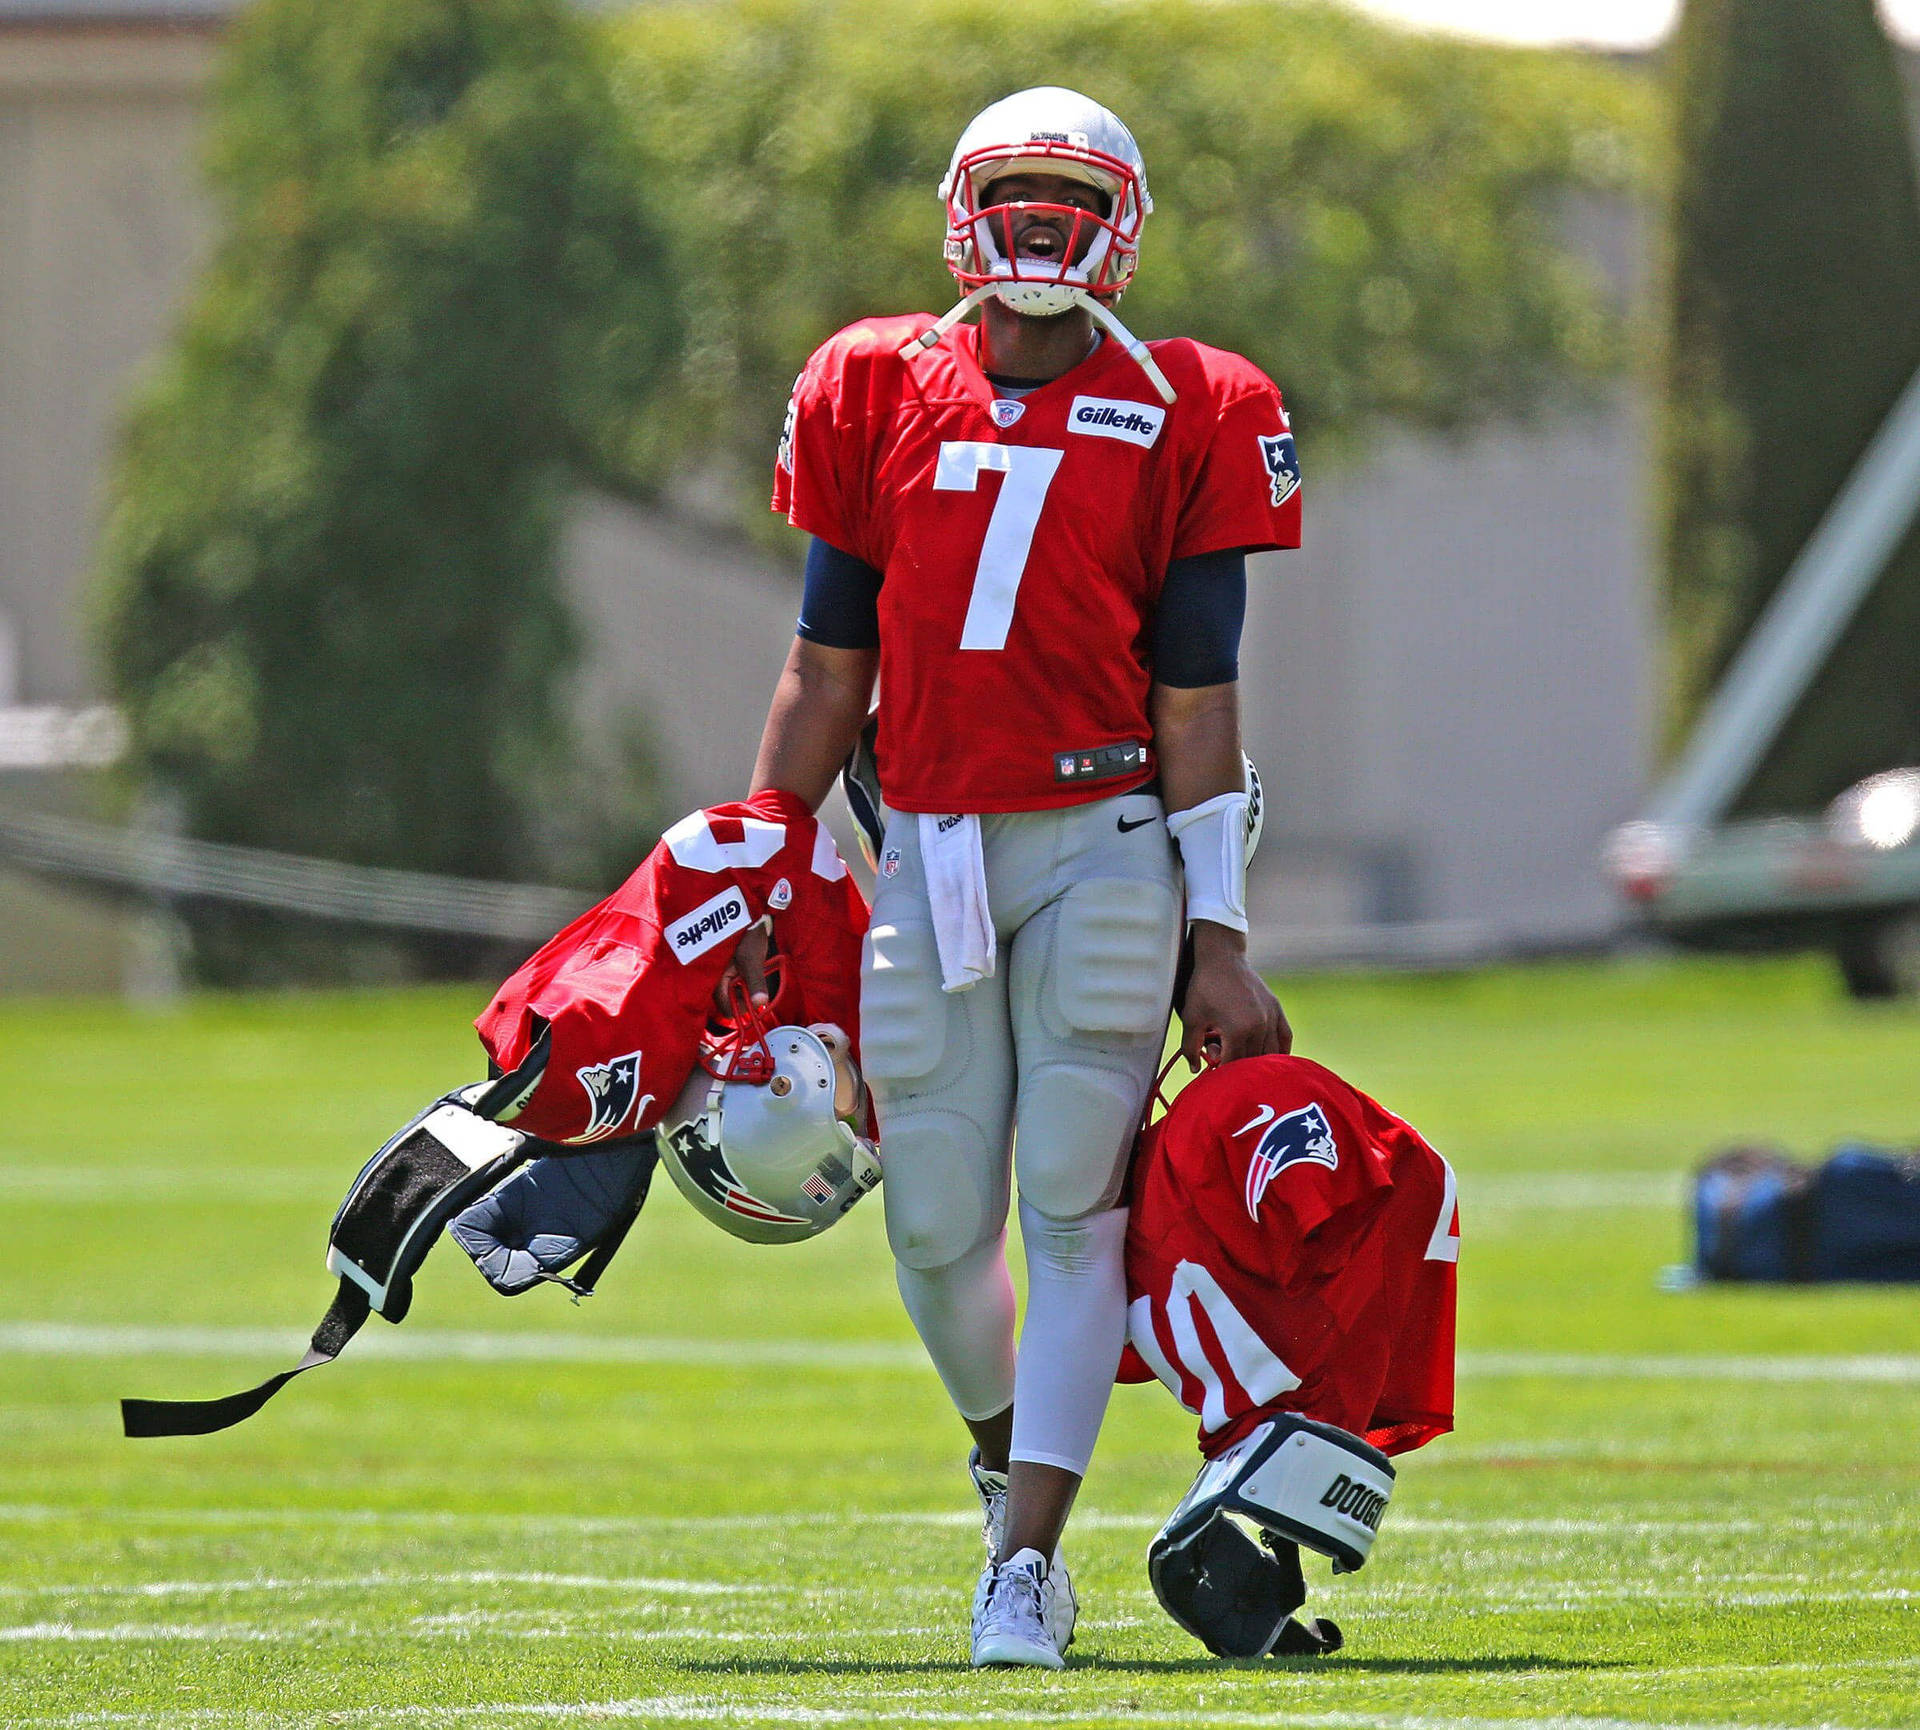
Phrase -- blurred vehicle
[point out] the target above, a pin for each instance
(1847, 881)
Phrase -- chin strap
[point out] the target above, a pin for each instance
(945, 322)
(1137, 350)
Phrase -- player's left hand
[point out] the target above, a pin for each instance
(1228, 1005)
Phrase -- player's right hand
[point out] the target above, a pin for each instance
(749, 966)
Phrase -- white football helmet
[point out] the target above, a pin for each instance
(1047, 130)
(767, 1137)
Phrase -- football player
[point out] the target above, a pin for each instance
(1033, 531)
(1291, 1270)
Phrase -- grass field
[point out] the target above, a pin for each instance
(727, 1492)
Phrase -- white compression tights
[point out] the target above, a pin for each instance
(1070, 1346)
(964, 1315)
(1075, 1328)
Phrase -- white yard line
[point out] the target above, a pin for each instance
(113, 1185)
(25, 1178)
(427, 1345)
(588, 1524)
(690, 1709)
(1573, 1190)
(379, 1582)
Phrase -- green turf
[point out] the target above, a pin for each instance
(705, 1538)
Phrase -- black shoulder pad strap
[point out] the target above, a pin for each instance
(342, 1321)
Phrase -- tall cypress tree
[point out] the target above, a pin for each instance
(1794, 322)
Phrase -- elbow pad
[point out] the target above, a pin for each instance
(1213, 846)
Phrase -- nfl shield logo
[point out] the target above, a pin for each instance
(1006, 411)
(1283, 466)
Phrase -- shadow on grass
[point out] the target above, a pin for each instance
(1090, 1664)
(1508, 1663)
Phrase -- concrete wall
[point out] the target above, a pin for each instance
(100, 221)
(1448, 688)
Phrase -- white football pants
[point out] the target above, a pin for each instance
(1038, 1076)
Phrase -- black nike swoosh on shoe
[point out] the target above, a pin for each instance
(1127, 828)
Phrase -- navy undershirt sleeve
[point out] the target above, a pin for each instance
(841, 608)
(1196, 628)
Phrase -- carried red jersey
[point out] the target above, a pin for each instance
(1293, 1248)
(627, 988)
(1022, 544)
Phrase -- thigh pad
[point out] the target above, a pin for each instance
(1115, 945)
(903, 1012)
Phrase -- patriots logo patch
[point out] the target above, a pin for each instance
(707, 1166)
(1299, 1137)
(611, 1089)
(1283, 465)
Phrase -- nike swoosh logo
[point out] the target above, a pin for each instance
(1262, 1117)
(1127, 828)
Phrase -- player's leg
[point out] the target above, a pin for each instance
(1090, 975)
(941, 1067)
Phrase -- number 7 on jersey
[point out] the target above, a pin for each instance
(1029, 471)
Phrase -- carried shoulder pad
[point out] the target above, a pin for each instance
(441, 1160)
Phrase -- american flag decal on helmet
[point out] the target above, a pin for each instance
(1303, 1135)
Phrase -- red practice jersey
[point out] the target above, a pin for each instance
(1022, 544)
(627, 988)
(1293, 1248)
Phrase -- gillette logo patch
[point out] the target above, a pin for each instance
(1135, 423)
(707, 924)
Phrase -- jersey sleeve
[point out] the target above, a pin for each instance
(815, 462)
(1246, 493)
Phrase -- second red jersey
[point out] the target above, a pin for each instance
(1292, 1248)
(1022, 543)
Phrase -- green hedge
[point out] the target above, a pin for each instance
(330, 603)
(1377, 218)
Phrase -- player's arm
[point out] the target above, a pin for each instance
(818, 706)
(1195, 709)
(821, 701)
(817, 711)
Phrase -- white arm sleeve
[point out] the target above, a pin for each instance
(1213, 846)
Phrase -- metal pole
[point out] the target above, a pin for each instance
(1816, 599)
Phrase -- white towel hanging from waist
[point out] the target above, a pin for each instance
(957, 890)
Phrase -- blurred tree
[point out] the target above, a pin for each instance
(329, 600)
(1793, 323)
(1377, 218)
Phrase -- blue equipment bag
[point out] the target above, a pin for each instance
(1761, 1216)
(1867, 1216)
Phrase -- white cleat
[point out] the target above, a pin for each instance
(1012, 1615)
(991, 1488)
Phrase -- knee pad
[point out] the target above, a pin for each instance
(945, 1192)
(1115, 945)
(1077, 1124)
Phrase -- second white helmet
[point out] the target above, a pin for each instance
(774, 1150)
